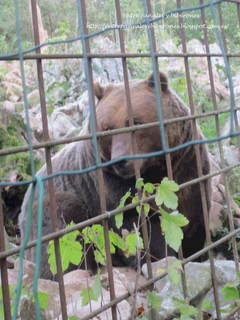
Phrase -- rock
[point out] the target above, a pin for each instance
(195, 46)
(58, 94)
(27, 308)
(14, 91)
(198, 72)
(218, 216)
(60, 125)
(161, 264)
(219, 212)
(28, 270)
(73, 110)
(33, 98)
(76, 274)
(199, 282)
(217, 62)
(10, 262)
(168, 46)
(225, 272)
(231, 157)
(75, 282)
(75, 307)
(10, 106)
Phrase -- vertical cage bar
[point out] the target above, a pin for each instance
(230, 216)
(235, 112)
(216, 296)
(222, 29)
(3, 269)
(135, 151)
(167, 156)
(199, 163)
(99, 171)
(49, 163)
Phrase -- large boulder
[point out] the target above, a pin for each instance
(199, 282)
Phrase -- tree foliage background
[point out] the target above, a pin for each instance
(60, 17)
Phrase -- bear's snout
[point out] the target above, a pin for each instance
(122, 146)
(124, 168)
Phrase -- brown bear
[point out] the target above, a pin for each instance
(77, 196)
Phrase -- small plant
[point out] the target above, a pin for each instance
(165, 195)
(26, 295)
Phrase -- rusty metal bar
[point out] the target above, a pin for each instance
(135, 151)
(112, 213)
(233, 312)
(153, 280)
(233, 1)
(3, 269)
(230, 216)
(45, 56)
(235, 112)
(48, 144)
(52, 143)
(167, 156)
(199, 165)
(216, 297)
(49, 163)
(99, 171)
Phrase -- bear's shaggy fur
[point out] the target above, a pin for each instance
(77, 196)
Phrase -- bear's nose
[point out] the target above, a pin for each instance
(120, 165)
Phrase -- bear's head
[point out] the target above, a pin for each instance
(112, 113)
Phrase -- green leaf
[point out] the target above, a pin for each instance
(146, 207)
(131, 244)
(238, 277)
(174, 272)
(97, 286)
(184, 308)
(116, 240)
(100, 257)
(85, 294)
(207, 304)
(73, 318)
(139, 183)
(172, 232)
(43, 299)
(95, 235)
(70, 250)
(134, 200)
(119, 216)
(224, 310)
(165, 194)
(149, 187)
(52, 258)
(231, 292)
(170, 224)
(179, 219)
(153, 300)
(119, 220)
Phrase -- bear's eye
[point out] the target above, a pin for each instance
(107, 129)
(137, 123)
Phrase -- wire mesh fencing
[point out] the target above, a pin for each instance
(43, 184)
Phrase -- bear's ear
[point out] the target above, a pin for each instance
(163, 80)
(98, 90)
